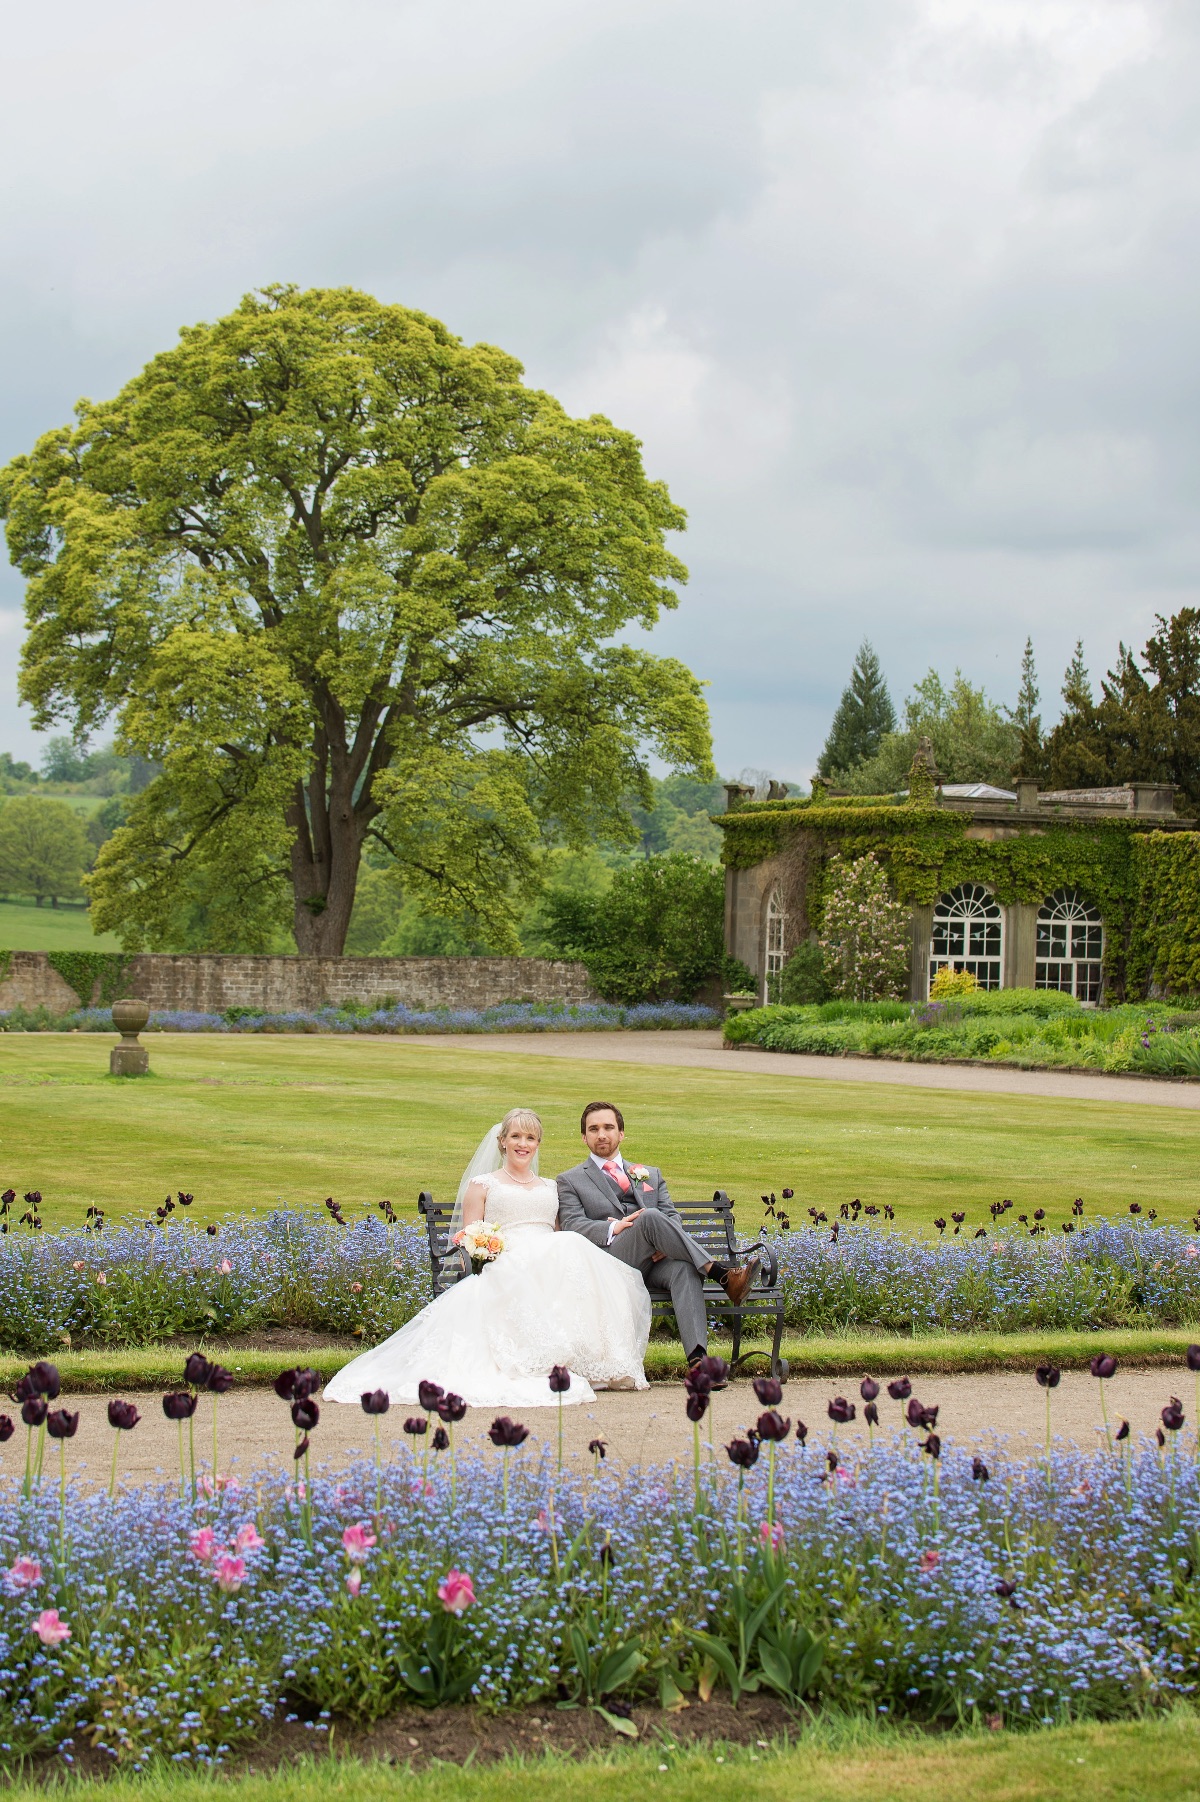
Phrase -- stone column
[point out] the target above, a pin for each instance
(920, 940)
(1020, 946)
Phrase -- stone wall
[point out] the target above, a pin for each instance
(200, 983)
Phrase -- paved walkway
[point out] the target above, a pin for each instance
(256, 1429)
(704, 1051)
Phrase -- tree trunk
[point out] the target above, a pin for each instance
(325, 859)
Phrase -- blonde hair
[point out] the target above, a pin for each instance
(518, 1116)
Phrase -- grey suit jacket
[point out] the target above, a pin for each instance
(588, 1200)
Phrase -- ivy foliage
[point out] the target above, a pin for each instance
(97, 977)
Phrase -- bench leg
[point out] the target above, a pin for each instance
(737, 1340)
(776, 1363)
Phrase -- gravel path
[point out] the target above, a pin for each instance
(698, 1050)
(255, 1429)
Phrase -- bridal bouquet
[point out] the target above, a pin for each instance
(481, 1242)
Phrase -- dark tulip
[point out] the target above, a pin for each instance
(305, 1413)
(840, 1410)
(769, 1391)
(34, 1411)
(60, 1424)
(598, 1448)
(1193, 1357)
(46, 1378)
(900, 1390)
(220, 1380)
(123, 1415)
(801, 1432)
(416, 1424)
(706, 1374)
(285, 1384)
(560, 1379)
(301, 1447)
(180, 1406)
(376, 1401)
(441, 1439)
(211, 1231)
(26, 1389)
(1006, 1589)
(1048, 1376)
(451, 1407)
(429, 1395)
(871, 1414)
(1160, 1436)
(787, 1194)
(605, 1553)
(1173, 1415)
(918, 1415)
(696, 1407)
(772, 1426)
(7, 1428)
(868, 1389)
(305, 1382)
(742, 1452)
(196, 1370)
(1104, 1366)
(831, 1461)
(506, 1432)
(1122, 1431)
(933, 1446)
(979, 1470)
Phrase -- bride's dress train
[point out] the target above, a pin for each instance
(549, 1298)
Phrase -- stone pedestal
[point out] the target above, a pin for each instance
(129, 1058)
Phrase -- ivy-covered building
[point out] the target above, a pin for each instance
(1092, 891)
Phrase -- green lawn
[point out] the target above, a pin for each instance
(244, 1122)
(1125, 1763)
(25, 927)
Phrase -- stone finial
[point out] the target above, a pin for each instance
(129, 1058)
(924, 777)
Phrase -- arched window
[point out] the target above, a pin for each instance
(968, 934)
(1070, 945)
(773, 949)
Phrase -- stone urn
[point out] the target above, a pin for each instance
(129, 1058)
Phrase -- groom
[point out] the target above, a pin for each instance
(625, 1209)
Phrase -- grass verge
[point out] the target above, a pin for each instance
(1111, 1763)
(158, 1366)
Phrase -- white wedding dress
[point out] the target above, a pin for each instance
(549, 1298)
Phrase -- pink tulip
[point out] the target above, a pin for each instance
(204, 1545)
(354, 1580)
(248, 1538)
(224, 1267)
(230, 1573)
(456, 1592)
(101, 1279)
(357, 1542)
(930, 1561)
(50, 1628)
(771, 1533)
(26, 1573)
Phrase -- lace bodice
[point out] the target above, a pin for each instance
(514, 1207)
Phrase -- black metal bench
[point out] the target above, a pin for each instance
(710, 1223)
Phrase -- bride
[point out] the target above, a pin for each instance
(549, 1298)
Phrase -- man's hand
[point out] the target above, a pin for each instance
(627, 1221)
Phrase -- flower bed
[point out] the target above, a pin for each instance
(1025, 1027)
(140, 1284)
(936, 1589)
(513, 1016)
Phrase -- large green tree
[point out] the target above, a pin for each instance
(344, 577)
(973, 741)
(42, 848)
(1146, 725)
(864, 717)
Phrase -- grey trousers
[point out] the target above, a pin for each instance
(679, 1274)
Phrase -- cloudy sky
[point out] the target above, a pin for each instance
(900, 295)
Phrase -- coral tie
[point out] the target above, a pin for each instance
(613, 1169)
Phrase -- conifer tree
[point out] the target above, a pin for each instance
(1031, 757)
(864, 716)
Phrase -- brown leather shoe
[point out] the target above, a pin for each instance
(738, 1283)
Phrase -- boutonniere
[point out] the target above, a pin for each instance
(639, 1173)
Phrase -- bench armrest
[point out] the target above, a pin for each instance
(764, 1251)
(455, 1264)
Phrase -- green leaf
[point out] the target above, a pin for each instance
(617, 1722)
(619, 1667)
